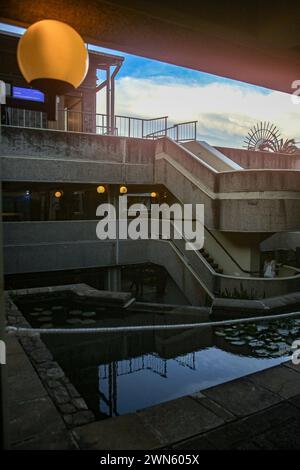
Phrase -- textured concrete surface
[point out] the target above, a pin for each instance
(283, 381)
(242, 397)
(243, 433)
(41, 252)
(179, 419)
(235, 415)
(34, 422)
(124, 432)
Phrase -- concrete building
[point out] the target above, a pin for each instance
(50, 174)
(51, 171)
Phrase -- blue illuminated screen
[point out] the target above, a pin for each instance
(28, 94)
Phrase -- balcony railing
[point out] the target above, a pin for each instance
(181, 132)
(123, 126)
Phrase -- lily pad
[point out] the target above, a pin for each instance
(88, 322)
(283, 332)
(220, 333)
(89, 314)
(46, 313)
(75, 312)
(44, 319)
(261, 328)
(256, 343)
(262, 352)
(73, 321)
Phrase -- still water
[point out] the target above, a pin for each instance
(119, 373)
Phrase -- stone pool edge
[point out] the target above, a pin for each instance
(70, 404)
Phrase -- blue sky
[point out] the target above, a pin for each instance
(141, 67)
(225, 109)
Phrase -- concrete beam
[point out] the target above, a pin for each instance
(239, 41)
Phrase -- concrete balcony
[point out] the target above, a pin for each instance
(243, 200)
(56, 156)
(239, 200)
(32, 247)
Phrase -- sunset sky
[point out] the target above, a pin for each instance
(225, 109)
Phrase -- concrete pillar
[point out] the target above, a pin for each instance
(4, 441)
(113, 279)
(114, 273)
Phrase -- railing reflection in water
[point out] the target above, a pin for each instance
(108, 401)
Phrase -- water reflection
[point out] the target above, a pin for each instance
(119, 373)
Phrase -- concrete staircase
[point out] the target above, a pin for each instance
(215, 266)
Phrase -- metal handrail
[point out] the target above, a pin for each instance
(99, 123)
(77, 121)
(230, 256)
(176, 128)
(137, 118)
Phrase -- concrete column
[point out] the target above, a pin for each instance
(4, 440)
(113, 279)
(114, 273)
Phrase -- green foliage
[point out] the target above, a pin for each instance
(238, 294)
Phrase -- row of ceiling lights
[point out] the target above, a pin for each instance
(100, 190)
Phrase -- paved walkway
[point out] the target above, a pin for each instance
(35, 423)
(260, 411)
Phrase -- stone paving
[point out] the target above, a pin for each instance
(260, 411)
(64, 395)
(34, 422)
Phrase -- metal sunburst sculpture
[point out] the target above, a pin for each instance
(262, 136)
(266, 137)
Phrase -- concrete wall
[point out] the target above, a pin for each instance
(259, 160)
(52, 246)
(258, 288)
(236, 201)
(281, 241)
(210, 155)
(45, 155)
(244, 248)
(219, 254)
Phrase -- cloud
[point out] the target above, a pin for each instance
(225, 111)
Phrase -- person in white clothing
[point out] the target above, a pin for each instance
(270, 268)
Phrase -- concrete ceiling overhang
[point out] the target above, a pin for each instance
(253, 41)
